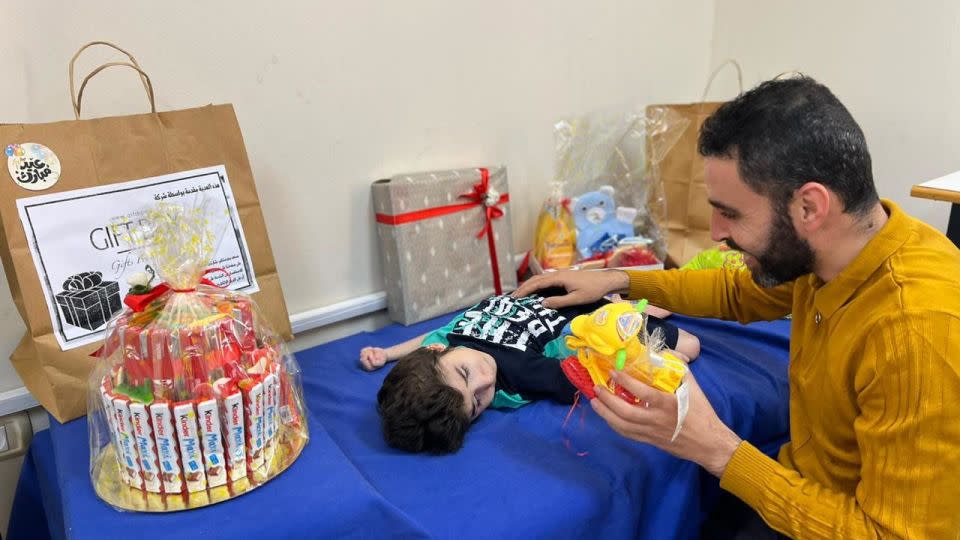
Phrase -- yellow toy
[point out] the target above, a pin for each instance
(610, 338)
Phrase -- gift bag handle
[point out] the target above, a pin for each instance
(144, 79)
(729, 62)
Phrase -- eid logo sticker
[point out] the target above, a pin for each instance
(33, 166)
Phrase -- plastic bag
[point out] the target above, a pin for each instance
(195, 399)
(605, 166)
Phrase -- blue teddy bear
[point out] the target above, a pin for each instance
(600, 224)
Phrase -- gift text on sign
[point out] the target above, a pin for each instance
(77, 242)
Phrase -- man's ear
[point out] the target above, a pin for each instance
(439, 347)
(811, 206)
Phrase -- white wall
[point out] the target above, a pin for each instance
(895, 65)
(333, 95)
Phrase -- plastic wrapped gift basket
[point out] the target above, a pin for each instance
(195, 399)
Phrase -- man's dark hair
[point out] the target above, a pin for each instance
(420, 412)
(787, 132)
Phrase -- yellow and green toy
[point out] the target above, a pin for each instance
(719, 256)
(610, 338)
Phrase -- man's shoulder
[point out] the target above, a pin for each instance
(925, 272)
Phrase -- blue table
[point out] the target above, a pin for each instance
(515, 476)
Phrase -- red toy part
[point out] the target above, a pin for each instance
(580, 378)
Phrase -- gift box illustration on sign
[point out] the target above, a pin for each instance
(88, 301)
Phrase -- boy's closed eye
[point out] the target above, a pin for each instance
(465, 372)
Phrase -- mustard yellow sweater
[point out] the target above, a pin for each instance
(874, 387)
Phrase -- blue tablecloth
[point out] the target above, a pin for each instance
(515, 476)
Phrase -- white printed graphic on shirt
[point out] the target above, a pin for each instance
(511, 322)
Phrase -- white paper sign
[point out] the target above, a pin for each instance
(75, 238)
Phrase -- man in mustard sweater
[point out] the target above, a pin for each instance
(875, 339)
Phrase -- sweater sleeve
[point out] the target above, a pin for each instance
(908, 434)
(721, 293)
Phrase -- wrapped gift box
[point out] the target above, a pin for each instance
(89, 302)
(445, 240)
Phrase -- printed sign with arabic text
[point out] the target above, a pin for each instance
(77, 242)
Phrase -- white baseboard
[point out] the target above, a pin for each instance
(16, 400)
(341, 311)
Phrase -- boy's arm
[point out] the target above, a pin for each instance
(372, 358)
(402, 349)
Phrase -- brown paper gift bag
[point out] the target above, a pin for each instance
(103, 151)
(687, 220)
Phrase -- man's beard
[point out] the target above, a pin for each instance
(786, 257)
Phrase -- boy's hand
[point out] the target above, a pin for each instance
(372, 358)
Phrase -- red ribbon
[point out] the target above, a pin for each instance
(477, 197)
(139, 302)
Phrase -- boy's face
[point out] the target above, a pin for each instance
(473, 374)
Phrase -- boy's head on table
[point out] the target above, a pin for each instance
(432, 395)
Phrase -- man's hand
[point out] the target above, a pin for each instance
(583, 286)
(704, 439)
(372, 358)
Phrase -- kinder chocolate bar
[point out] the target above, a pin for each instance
(252, 391)
(111, 415)
(159, 354)
(288, 405)
(149, 466)
(242, 314)
(235, 435)
(134, 363)
(270, 385)
(209, 415)
(185, 420)
(277, 396)
(191, 354)
(126, 446)
(167, 448)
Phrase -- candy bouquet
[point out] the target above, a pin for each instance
(195, 400)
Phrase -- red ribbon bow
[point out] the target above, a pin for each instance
(139, 302)
(492, 209)
(481, 190)
(477, 197)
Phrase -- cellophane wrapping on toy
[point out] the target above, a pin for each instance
(606, 202)
(195, 399)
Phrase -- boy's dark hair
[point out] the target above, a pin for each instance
(420, 412)
(784, 133)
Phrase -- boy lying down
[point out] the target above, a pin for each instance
(503, 353)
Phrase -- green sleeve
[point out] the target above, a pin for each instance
(440, 334)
